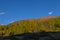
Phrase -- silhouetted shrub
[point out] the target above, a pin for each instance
(11, 33)
(57, 25)
(42, 31)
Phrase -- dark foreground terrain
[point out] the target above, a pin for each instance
(34, 36)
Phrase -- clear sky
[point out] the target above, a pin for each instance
(13, 10)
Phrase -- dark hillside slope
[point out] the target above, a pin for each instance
(34, 36)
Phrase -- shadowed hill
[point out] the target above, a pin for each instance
(47, 24)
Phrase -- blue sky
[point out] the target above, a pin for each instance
(13, 10)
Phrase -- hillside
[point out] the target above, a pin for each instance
(47, 24)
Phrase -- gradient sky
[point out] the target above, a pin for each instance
(13, 10)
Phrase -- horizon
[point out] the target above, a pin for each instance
(14, 10)
(28, 19)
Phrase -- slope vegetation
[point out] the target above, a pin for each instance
(47, 24)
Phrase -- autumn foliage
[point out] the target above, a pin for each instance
(47, 24)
